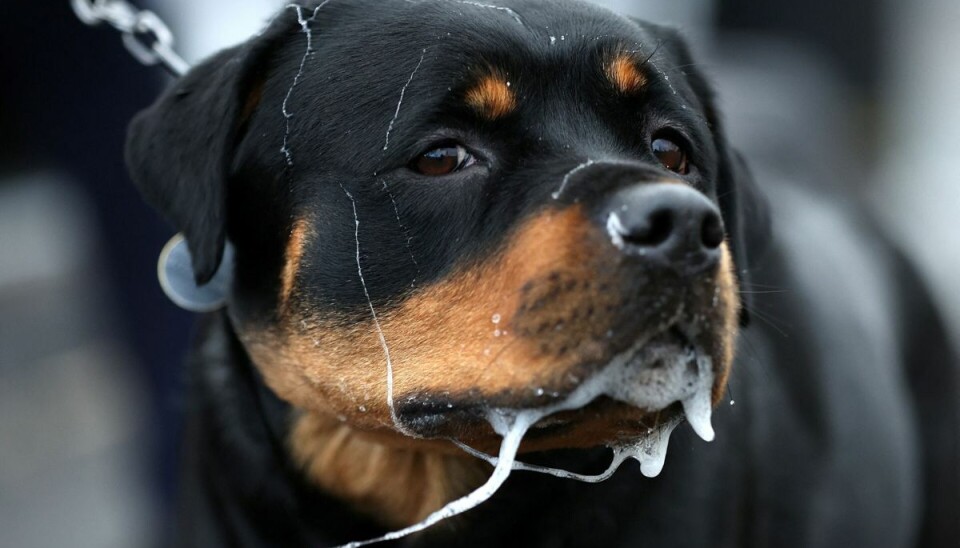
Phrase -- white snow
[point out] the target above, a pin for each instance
(287, 115)
(512, 429)
(403, 92)
(376, 323)
(498, 8)
(616, 230)
(571, 173)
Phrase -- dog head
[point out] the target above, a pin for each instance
(440, 208)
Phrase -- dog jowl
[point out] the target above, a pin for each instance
(446, 210)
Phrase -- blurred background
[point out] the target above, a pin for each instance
(860, 94)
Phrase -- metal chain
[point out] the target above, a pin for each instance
(145, 35)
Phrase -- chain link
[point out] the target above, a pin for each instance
(145, 35)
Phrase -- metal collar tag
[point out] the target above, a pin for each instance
(175, 272)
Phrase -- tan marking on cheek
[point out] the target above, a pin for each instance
(625, 75)
(728, 309)
(492, 97)
(452, 336)
(397, 486)
(294, 254)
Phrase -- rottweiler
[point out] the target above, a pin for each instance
(451, 221)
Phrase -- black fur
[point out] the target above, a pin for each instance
(814, 453)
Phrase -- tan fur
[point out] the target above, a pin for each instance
(492, 97)
(727, 317)
(291, 266)
(625, 75)
(396, 486)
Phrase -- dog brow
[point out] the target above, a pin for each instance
(624, 73)
(492, 97)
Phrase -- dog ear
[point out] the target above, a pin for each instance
(178, 150)
(742, 204)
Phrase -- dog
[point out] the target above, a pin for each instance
(447, 215)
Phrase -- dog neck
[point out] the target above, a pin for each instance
(392, 485)
(398, 486)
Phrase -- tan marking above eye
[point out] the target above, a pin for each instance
(492, 97)
(625, 75)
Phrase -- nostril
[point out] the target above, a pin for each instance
(665, 223)
(711, 231)
(654, 231)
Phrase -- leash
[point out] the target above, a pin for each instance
(144, 34)
(150, 41)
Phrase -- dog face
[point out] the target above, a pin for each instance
(441, 208)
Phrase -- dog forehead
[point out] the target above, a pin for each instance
(352, 59)
(500, 17)
(382, 38)
(360, 86)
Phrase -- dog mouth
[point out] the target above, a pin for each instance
(659, 380)
(658, 376)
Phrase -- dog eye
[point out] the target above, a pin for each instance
(671, 155)
(443, 160)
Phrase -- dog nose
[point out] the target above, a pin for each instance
(666, 223)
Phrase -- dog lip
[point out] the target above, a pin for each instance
(443, 415)
(430, 415)
(567, 421)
